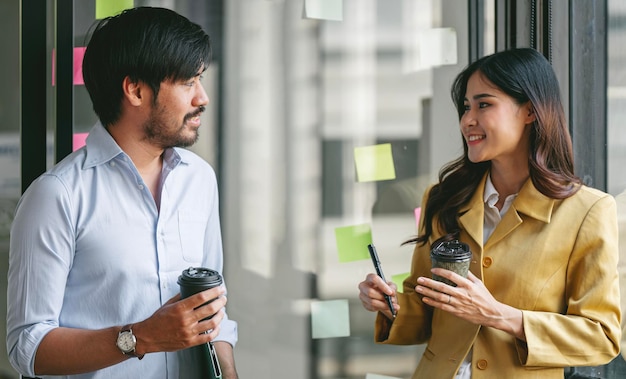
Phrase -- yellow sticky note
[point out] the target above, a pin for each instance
(331, 10)
(330, 319)
(106, 8)
(374, 163)
(352, 242)
(398, 279)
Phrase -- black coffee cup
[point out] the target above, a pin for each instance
(451, 255)
(192, 281)
(198, 279)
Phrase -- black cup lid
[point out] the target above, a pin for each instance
(200, 276)
(451, 251)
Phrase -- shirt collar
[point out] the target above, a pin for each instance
(490, 195)
(101, 148)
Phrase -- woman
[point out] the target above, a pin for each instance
(543, 292)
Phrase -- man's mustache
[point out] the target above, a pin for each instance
(196, 113)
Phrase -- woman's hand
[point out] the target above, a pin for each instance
(471, 301)
(372, 293)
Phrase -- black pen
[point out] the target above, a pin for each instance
(379, 271)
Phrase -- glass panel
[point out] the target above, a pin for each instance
(302, 95)
(616, 114)
(9, 152)
(616, 137)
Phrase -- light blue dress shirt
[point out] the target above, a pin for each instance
(90, 249)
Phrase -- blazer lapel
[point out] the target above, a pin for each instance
(529, 202)
(472, 216)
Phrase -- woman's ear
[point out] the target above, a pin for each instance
(530, 116)
(133, 91)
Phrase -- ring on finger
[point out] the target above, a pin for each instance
(449, 298)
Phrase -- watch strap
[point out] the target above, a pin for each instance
(129, 329)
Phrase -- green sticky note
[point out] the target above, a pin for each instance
(106, 8)
(398, 279)
(374, 163)
(330, 319)
(352, 242)
(324, 9)
(376, 376)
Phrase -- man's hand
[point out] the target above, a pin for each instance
(180, 324)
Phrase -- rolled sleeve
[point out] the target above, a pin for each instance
(22, 347)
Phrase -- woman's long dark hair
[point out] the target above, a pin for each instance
(525, 75)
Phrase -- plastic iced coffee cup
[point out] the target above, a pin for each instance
(451, 255)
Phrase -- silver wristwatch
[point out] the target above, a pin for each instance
(127, 342)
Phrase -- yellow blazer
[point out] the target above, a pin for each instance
(556, 260)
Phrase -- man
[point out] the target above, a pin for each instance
(99, 241)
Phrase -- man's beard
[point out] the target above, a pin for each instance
(156, 130)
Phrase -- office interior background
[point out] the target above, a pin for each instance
(291, 98)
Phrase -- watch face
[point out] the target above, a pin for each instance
(126, 342)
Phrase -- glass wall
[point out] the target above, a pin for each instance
(616, 97)
(9, 151)
(293, 97)
(301, 96)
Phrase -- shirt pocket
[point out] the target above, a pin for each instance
(191, 230)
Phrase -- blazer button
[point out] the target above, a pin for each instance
(487, 261)
(481, 364)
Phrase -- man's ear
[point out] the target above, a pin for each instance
(133, 91)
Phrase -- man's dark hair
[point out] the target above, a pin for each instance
(148, 45)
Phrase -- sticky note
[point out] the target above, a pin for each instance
(352, 242)
(374, 163)
(418, 213)
(437, 47)
(78, 54)
(330, 318)
(78, 140)
(376, 376)
(331, 10)
(106, 8)
(398, 279)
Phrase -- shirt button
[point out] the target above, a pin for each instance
(487, 261)
(112, 164)
(481, 364)
(140, 187)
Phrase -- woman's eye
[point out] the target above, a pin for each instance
(483, 105)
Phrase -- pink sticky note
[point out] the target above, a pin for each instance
(79, 53)
(79, 140)
(418, 212)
